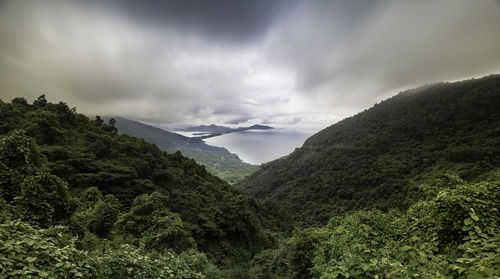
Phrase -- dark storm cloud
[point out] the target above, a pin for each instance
(227, 20)
(289, 63)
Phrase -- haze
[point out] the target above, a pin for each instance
(301, 64)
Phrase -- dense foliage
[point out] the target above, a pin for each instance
(218, 161)
(120, 205)
(407, 189)
(52, 253)
(454, 234)
(377, 158)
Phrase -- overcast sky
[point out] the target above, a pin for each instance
(283, 63)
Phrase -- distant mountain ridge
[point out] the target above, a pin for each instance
(207, 131)
(379, 157)
(217, 160)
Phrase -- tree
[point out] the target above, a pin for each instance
(112, 122)
(20, 101)
(154, 226)
(19, 157)
(98, 120)
(102, 216)
(43, 200)
(91, 196)
(40, 101)
(45, 127)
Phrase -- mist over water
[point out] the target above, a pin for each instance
(260, 146)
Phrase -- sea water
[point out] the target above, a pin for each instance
(260, 146)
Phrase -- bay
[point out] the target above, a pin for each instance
(260, 146)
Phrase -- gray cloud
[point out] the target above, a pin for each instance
(358, 53)
(228, 20)
(285, 63)
(238, 120)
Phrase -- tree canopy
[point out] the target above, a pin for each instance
(377, 158)
(59, 168)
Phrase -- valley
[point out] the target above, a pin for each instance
(219, 161)
(257, 139)
(409, 187)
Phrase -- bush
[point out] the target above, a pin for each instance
(127, 261)
(43, 200)
(150, 223)
(19, 157)
(25, 251)
(51, 253)
(453, 235)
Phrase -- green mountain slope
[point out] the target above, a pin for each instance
(219, 161)
(107, 190)
(376, 158)
(454, 233)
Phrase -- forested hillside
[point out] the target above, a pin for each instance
(409, 188)
(377, 158)
(80, 200)
(454, 233)
(218, 161)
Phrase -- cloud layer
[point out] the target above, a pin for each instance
(284, 63)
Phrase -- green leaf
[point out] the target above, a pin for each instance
(405, 248)
(474, 216)
(422, 254)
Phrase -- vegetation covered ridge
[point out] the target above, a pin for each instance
(77, 199)
(218, 160)
(454, 233)
(409, 188)
(377, 158)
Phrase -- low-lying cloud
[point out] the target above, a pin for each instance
(284, 63)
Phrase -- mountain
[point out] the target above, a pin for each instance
(217, 160)
(410, 188)
(258, 127)
(377, 158)
(208, 128)
(111, 205)
(208, 131)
